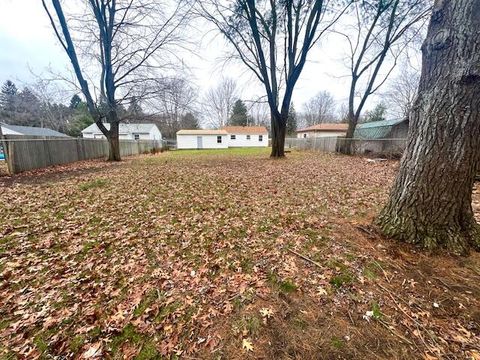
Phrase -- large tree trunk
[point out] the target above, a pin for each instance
(279, 129)
(347, 143)
(113, 142)
(430, 203)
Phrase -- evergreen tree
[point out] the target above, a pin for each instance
(135, 109)
(75, 101)
(8, 95)
(377, 114)
(189, 121)
(292, 121)
(239, 115)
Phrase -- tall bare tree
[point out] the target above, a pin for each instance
(126, 42)
(319, 109)
(402, 91)
(218, 102)
(174, 98)
(381, 33)
(272, 39)
(431, 200)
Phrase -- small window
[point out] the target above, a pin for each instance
(219, 139)
(233, 137)
(260, 137)
(304, 136)
(248, 137)
(136, 136)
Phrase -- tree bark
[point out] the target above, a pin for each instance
(430, 203)
(347, 143)
(113, 142)
(279, 129)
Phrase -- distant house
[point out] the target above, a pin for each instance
(323, 130)
(202, 139)
(386, 137)
(32, 131)
(126, 132)
(247, 136)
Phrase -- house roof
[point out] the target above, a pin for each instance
(325, 127)
(33, 131)
(124, 128)
(201, 132)
(246, 130)
(376, 129)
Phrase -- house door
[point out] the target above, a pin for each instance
(199, 142)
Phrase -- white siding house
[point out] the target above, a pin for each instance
(202, 139)
(247, 136)
(126, 132)
(323, 130)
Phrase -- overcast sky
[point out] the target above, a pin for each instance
(27, 44)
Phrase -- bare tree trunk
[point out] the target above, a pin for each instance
(114, 143)
(279, 129)
(347, 145)
(430, 203)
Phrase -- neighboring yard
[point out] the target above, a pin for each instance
(198, 255)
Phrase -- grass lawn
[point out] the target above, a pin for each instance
(223, 255)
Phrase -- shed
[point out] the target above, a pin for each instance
(202, 139)
(323, 130)
(247, 136)
(386, 137)
(386, 129)
(126, 131)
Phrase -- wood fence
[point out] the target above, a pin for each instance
(381, 147)
(24, 154)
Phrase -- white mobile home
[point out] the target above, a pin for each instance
(126, 132)
(202, 139)
(247, 136)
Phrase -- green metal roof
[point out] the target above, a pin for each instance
(376, 129)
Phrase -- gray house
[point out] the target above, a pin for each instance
(29, 131)
(386, 137)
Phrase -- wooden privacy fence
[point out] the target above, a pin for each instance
(382, 147)
(39, 152)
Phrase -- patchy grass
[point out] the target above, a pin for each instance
(192, 252)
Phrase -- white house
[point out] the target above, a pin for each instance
(202, 139)
(247, 136)
(323, 130)
(126, 132)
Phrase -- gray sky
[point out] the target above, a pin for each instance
(27, 44)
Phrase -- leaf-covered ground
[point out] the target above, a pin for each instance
(223, 255)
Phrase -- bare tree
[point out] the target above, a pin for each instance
(218, 102)
(402, 91)
(431, 200)
(272, 39)
(173, 99)
(319, 109)
(128, 41)
(382, 32)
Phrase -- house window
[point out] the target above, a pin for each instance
(219, 139)
(260, 137)
(136, 136)
(233, 137)
(248, 137)
(304, 136)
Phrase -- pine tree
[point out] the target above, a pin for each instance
(292, 121)
(377, 114)
(239, 115)
(135, 109)
(8, 95)
(189, 121)
(75, 101)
